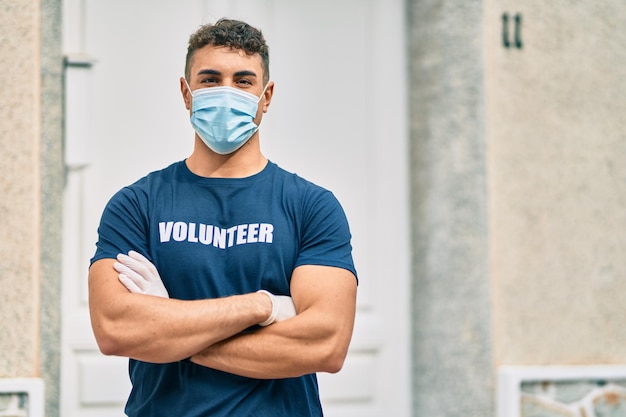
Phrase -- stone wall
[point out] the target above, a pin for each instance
(31, 129)
(52, 183)
(518, 173)
(556, 139)
(20, 187)
(451, 315)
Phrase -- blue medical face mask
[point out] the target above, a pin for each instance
(223, 117)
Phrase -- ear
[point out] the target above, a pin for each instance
(267, 96)
(186, 93)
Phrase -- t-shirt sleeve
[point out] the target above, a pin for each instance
(123, 226)
(326, 235)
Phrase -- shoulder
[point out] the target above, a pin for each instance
(134, 199)
(153, 182)
(301, 185)
(317, 203)
(173, 172)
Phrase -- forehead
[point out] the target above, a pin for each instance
(225, 60)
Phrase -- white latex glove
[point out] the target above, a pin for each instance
(282, 308)
(139, 275)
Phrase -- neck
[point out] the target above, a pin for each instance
(244, 162)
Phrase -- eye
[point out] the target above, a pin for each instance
(208, 81)
(244, 82)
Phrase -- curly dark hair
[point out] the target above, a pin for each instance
(231, 33)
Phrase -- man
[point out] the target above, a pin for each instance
(239, 283)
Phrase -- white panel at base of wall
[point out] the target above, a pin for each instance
(33, 388)
(511, 378)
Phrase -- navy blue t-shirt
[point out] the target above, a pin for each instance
(216, 237)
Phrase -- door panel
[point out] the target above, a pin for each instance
(337, 118)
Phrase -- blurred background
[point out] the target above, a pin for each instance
(478, 149)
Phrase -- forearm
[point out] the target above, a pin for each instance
(162, 330)
(292, 348)
(315, 340)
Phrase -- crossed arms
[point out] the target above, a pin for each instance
(161, 330)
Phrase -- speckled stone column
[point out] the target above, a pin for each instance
(31, 186)
(20, 185)
(52, 183)
(452, 369)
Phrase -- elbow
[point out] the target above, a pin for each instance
(108, 343)
(334, 365)
(333, 359)
(108, 346)
(333, 351)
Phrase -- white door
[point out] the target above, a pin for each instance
(338, 118)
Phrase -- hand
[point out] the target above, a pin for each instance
(139, 275)
(282, 308)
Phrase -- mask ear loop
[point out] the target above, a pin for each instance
(188, 88)
(263, 92)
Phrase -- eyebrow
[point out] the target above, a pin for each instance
(242, 73)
